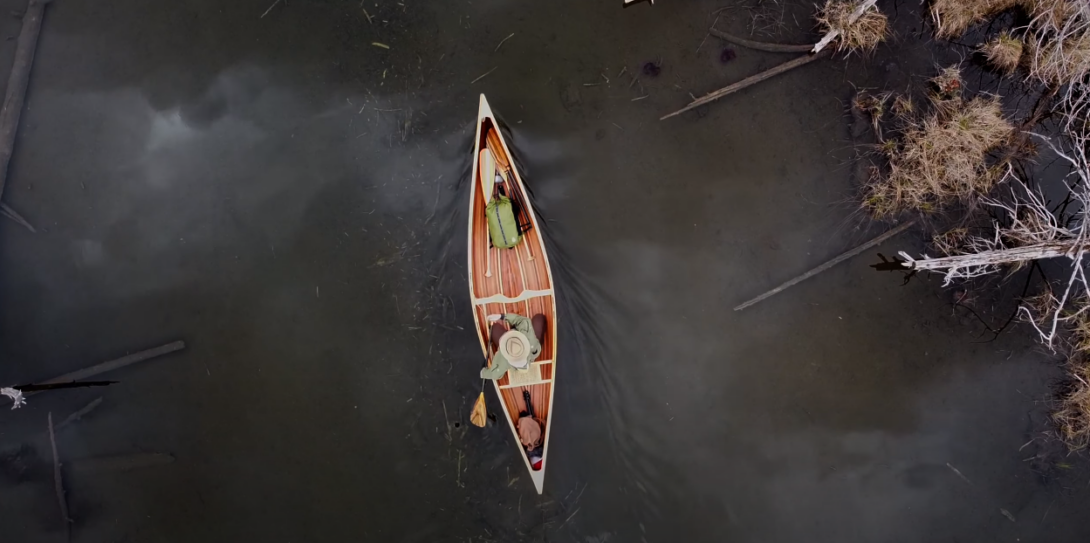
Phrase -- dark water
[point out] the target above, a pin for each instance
(289, 199)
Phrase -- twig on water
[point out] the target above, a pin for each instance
(958, 473)
(10, 213)
(482, 76)
(509, 36)
(841, 258)
(270, 9)
(707, 34)
(368, 15)
(447, 418)
(638, 98)
(58, 483)
(569, 518)
(436, 204)
(458, 477)
(78, 415)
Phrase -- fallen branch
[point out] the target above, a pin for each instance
(273, 5)
(982, 263)
(17, 83)
(78, 415)
(10, 213)
(111, 365)
(841, 258)
(832, 34)
(58, 482)
(760, 45)
(752, 80)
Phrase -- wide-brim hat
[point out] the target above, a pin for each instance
(515, 347)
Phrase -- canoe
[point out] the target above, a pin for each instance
(512, 281)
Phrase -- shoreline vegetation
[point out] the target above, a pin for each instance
(960, 162)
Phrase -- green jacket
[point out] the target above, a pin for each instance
(500, 365)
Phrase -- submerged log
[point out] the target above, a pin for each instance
(58, 481)
(104, 367)
(760, 45)
(17, 83)
(749, 81)
(840, 258)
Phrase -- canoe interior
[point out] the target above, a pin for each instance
(515, 273)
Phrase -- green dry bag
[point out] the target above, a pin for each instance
(501, 223)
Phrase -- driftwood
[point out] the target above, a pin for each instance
(17, 85)
(58, 482)
(10, 213)
(841, 258)
(752, 80)
(832, 34)
(111, 365)
(760, 45)
(78, 415)
(74, 417)
(117, 363)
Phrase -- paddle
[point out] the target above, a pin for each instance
(479, 414)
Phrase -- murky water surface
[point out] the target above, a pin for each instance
(289, 198)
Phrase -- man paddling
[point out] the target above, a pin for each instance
(516, 347)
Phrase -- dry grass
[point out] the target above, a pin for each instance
(1073, 414)
(864, 35)
(1080, 330)
(953, 17)
(1004, 52)
(950, 242)
(1060, 61)
(940, 159)
(1052, 14)
(903, 107)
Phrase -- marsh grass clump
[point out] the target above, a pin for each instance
(1072, 415)
(1060, 60)
(940, 159)
(1004, 52)
(953, 17)
(863, 35)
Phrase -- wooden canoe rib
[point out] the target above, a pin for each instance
(516, 280)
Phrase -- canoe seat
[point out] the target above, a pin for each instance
(529, 376)
(541, 382)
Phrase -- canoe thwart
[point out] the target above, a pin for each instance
(501, 299)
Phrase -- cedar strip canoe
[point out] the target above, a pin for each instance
(516, 280)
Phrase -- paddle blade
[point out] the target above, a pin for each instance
(488, 173)
(479, 414)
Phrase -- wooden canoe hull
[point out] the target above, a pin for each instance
(517, 280)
